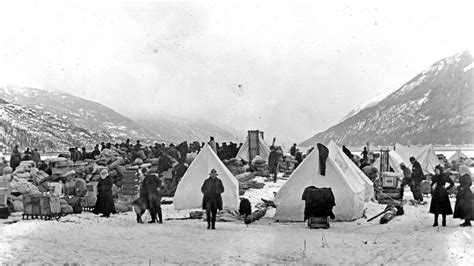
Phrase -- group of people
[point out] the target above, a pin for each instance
(224, 151)
(29, 155)
(440, 204)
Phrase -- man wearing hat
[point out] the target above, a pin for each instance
(212, 200)
(407, 180)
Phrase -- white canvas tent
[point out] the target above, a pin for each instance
(348, 192)
(457, 155)
(264, 150)
(394, 160)
(350, 169)
(425, 155)
(188, 193)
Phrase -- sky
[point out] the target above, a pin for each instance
(291, 69)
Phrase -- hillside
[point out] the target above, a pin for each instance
(27, 114)
(43, 130)
(436, 106)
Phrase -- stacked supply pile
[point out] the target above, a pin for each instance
(260, 166)
(235, 166)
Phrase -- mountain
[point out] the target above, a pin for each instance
(78, 111)
(174, 129)
(436, 106)
(27, 113)
(43, 130)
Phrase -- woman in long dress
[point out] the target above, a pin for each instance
(105, 201)
(440, 199)
(463, 207)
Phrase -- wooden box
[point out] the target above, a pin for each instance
(91, 189)
(389, 181)
(425, 187)
(88, 201)
(3, 197)
(31, 204)
(49, 205)
(318, 222)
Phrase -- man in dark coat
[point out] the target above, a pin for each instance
(407, 180)
(273, 159)
(417, 176)
(293, 150)
(164, 163)
(212, 188)
(151, 193)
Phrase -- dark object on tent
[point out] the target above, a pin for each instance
(245, 208)
(323, 155)
(256, 215)
(347, 152)
(318, 202)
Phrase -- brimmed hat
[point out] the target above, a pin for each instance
(213, 171)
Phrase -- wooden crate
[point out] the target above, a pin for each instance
(3, 198)
(49, 205)
(318, 222)
(88, 201)
(91, 189)
(389, 181)
(425, 187)
(31, 204)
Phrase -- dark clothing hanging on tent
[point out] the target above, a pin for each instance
(318, 202)
(323, 156)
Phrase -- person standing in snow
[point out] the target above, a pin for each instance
(463, 207)
(212, 188)
(407, 180)
(105, 201)
(151, 193)
(439, 195)
(293, 150)
(273, 160)
(213, 144)
(417, 176)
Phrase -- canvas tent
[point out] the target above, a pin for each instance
(457, 155)
(264, 150)
(348, 192)
(425, 155)
(188, 193)
(350, 169)
(394, 160)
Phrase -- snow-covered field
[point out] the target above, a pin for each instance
(86, 238)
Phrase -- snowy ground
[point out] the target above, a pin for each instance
(86, 238)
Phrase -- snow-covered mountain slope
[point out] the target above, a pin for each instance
(42, 130)
(436, 106)
(38, 106)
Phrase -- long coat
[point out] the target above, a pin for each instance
(417, 173)
(464, 202)
(212, 188)
(105, 201)
(440, 199)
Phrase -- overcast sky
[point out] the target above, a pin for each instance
(290, 69)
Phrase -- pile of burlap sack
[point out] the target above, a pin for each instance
(28, 179)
